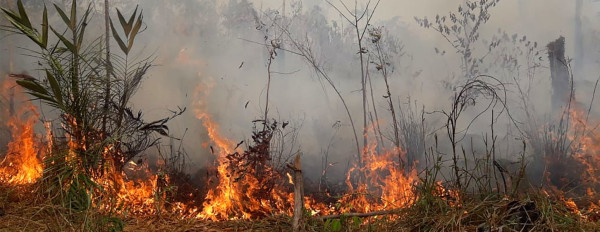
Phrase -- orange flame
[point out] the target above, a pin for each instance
(382, 184)
(385, 186)
(236, 196)
(21, 164)
(137, 196)
(584, 160)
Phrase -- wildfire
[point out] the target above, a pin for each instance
(382, 184)
(237, 196)
(385, 185)
(137, 196)
(21, 165)
(579, 180)
(587, 153)
(378, 184)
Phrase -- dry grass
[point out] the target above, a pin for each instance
(274, 223)
(25, 210)
(529, 212)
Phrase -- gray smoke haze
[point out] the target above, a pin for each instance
(218, 41)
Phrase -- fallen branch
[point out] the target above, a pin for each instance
(369, 214)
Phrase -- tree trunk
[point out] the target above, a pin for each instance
(559, 74)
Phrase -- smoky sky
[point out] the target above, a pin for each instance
(200, 42)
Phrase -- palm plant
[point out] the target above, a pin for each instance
(74, 84)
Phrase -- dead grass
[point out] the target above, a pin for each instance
(25, 210)
(175, 223)
(530, 212)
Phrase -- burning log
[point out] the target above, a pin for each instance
(298, 193)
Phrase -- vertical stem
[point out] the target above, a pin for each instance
(494, 155)
(78, 115)
(391, 105)
(364, 89)
(451, 128)
(376, 123)
(298, 193)
(125, 95)
(75, 63)
(268, 86)
(108, 66)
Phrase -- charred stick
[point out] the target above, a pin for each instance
(298, 193)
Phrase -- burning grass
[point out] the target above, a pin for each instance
(88, 179)
(533, 212)
(381, 195)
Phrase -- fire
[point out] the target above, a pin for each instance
(138, 196)
(379, 184)
(21, 165)
(587, 153)
(571, 205)
(382, 184)
(583, 163)
(289, 176)
(23, 162)
(237, 196)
